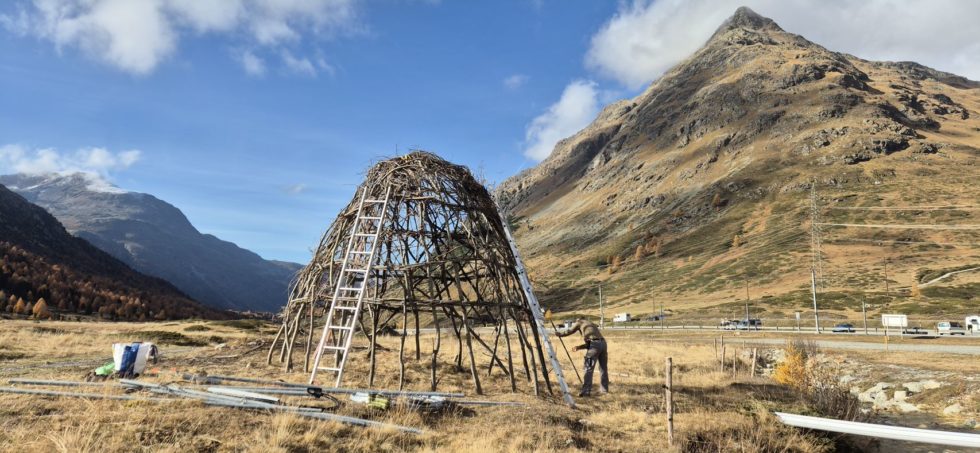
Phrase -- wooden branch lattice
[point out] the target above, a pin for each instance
(442, 253)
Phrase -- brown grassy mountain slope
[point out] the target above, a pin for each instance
(39, 259)
(702, 183)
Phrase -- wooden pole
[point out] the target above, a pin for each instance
(375, 319)
(418, 341)
(722, 361)
(570, 360)
(469, 348)
(401, 349)
(436, 343)
(755, 352)
(669, 399)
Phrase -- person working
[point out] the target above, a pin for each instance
(595, 345)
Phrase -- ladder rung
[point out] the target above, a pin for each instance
(335, 348)
(360, 271)
(347, 299)
(351, 289)
(328, 368)
(365, 235)
(340, 328)
(374, 201)
(370, 217)
(360, 252)
(345, 308)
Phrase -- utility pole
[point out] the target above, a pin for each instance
(813, 283)
(747, 300)
(886, 278)
(864, 311)
(602, 313)
(661, 316)
(815, 265)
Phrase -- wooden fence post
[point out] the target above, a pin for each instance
(722, 361)
(755, 353)
(669, 398)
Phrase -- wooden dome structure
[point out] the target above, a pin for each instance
(421, 244)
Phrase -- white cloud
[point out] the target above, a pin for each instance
(100, 161)
(301, 65)
(576, 108)
(137, 35)
(203, 15)
(253, 64)
(645, 38)
(515, 81)
(295, 189)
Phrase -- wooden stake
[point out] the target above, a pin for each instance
(669, 399)
(755, 352)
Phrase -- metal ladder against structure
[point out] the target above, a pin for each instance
(538, 315)
(348, 295)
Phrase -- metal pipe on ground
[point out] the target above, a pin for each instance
(79, 395)
(220, 379)
(244, 403)
(64, 383)
(926, 436)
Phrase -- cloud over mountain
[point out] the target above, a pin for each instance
(95, 160)
(645, 38)
(137, 35)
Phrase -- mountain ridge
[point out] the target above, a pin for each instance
(155, 237)
(41, 260)
(728, 143)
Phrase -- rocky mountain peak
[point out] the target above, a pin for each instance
(746, 19)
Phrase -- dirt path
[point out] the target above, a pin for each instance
(946, 275)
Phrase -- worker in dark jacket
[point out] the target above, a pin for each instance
(595, 347)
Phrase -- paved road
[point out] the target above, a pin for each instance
(854, 345)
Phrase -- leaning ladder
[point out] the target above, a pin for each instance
(348, 295)
(538, 315)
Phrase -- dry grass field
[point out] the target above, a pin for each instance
(715, 411)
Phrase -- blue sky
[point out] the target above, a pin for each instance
(258, 117)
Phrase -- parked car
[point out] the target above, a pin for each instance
(748, 324)
(950, 328)
(843, 328)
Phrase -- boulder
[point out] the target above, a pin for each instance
(953, 409)
(914, 387)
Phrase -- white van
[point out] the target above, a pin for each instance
(622, 317)
(973, 324)
(950, 328)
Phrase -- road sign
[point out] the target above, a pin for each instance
(895, 320)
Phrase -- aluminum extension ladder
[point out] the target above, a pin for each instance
(538, 314)
(348, 295)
